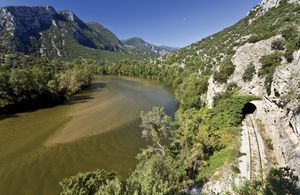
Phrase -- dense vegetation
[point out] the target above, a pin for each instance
(215, 49)
(26, 79)
(191, 147)
(249, 73)
(278, 181)
(269, 64)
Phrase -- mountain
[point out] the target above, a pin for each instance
(258, 56)
(144, 47)
(168, 49)
(46, 32)
(109, 40)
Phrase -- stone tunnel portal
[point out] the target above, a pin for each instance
(249, 108)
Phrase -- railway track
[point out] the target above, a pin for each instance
(255, 162)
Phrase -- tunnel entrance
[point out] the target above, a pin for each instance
(249, 108)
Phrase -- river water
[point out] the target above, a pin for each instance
(96, 129)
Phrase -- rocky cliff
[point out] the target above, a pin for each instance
(46, 32)
(260, 55)
(281, 113)
(281, 107)
(266, 5)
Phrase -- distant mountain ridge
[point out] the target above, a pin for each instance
(43, 31)
(47, 32)
(145, 47)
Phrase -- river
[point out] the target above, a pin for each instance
(96, 129)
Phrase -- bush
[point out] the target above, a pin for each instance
(226, 69)
(269, 144)
(254, 38)
(288, 55)
(190, 90)
(278, 181)
(249, 73)
(277, 44)
(94, 182)
(289, 32)
(269, 64)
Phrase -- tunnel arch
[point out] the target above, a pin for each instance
(249, 108)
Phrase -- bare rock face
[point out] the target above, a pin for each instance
(214, 88)
(266, 5)
(19, 25)
(250, 53)
(282, 114)
(43, 31)
(24, 19)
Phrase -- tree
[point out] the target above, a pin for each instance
(278, 181)
(190, 90)
(156, 126)
(249, 73)
(94, 182)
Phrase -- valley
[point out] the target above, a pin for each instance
(84, 111)
(96, 129)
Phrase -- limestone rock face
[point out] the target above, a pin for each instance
(282, 114)
(43, 31)
(250, 53)
(214, 88)
(23, 19)
(266, 5)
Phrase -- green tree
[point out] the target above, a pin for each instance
(278, 181)
(249, 73)
(190, 90)
(156, 126)
(94, 182)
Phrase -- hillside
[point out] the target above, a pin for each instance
(257, 56)
(142, 46)
(236, 129)
(237, 123)
(43, 31)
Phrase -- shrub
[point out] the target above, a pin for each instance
(269, 64)
(226, 69)
(235, 169)
(249, 73)
(254, 38)
(278, 181)
(190, 90)
(277, 44)
(269, 144)
(288, 55)
(94, 182)
(289, 32)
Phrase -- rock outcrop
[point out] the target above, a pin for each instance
(266, 5)
(44, 31)
(282, 114)
(249, 53)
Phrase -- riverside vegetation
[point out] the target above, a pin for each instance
(189, 148)
(186, 149)
(26, 79)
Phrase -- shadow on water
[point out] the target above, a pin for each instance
(78, 99)
(43, 102)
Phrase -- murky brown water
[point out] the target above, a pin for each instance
(97, 129)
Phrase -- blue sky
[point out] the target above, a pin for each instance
(162, 22)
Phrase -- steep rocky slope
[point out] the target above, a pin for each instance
(260, 55)
(43, 31)
(47, 32)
